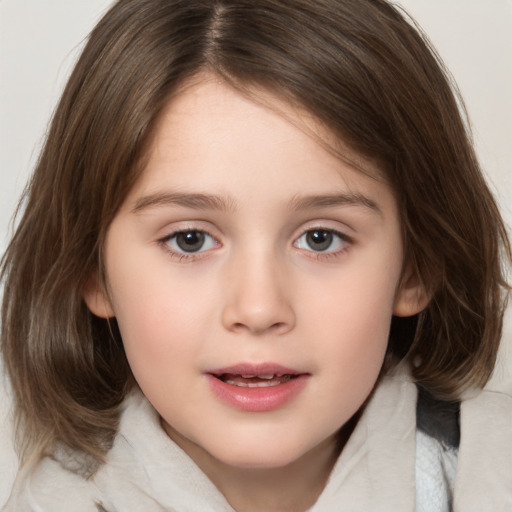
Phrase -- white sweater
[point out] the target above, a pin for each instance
(385, 466)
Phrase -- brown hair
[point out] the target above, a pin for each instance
(362, 69)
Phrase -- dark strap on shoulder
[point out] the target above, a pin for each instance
(438, 419)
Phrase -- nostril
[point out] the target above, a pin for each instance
(258, 313)
(253, 328)
(279, 326)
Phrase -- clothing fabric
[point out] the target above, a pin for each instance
(387, 465)
(436, 467)
(437, 444)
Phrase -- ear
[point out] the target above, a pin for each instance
(96, 298)
(411, 296)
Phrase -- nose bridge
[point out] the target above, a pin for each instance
(258, 300)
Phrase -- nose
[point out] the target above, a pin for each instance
(258, 298)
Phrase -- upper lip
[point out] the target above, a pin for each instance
(264, 368)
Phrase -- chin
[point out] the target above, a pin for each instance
(262, 456)
(258, 462)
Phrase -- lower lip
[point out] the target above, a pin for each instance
(257, 399)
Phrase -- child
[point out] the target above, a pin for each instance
(258, 268)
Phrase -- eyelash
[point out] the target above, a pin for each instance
(188, 256)
(344, 241)
(182, 255)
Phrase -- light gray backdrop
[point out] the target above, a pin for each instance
(40, 39)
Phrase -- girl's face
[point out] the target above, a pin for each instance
(253, 276)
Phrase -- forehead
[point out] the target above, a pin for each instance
(214, 137)
(209, 97)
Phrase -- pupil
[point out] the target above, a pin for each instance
(319, 240)
(190, 241)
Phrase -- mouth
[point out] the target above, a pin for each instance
(260, 375)
(257, 387)
(255, 381)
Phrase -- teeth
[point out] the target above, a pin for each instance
(261, 384)
(266, 377)
(265, 382)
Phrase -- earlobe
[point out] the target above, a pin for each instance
(97, 299)
(411, 297)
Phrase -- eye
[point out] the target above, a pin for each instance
(191, 241)
(322, 240)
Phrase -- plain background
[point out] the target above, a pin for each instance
(40, 40)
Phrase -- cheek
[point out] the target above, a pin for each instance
(357, 298)
(353, 315)
(352, 355)
(164, 321)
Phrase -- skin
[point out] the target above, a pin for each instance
(257, 290)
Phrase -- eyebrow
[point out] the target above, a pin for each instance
(194, 201)
(342, 199)
(198, 201)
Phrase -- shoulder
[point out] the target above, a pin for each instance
(464, 452)
(484, 474)
(48, 486)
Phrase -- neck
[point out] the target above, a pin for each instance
(293, 488)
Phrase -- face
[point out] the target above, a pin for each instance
(253, 276)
